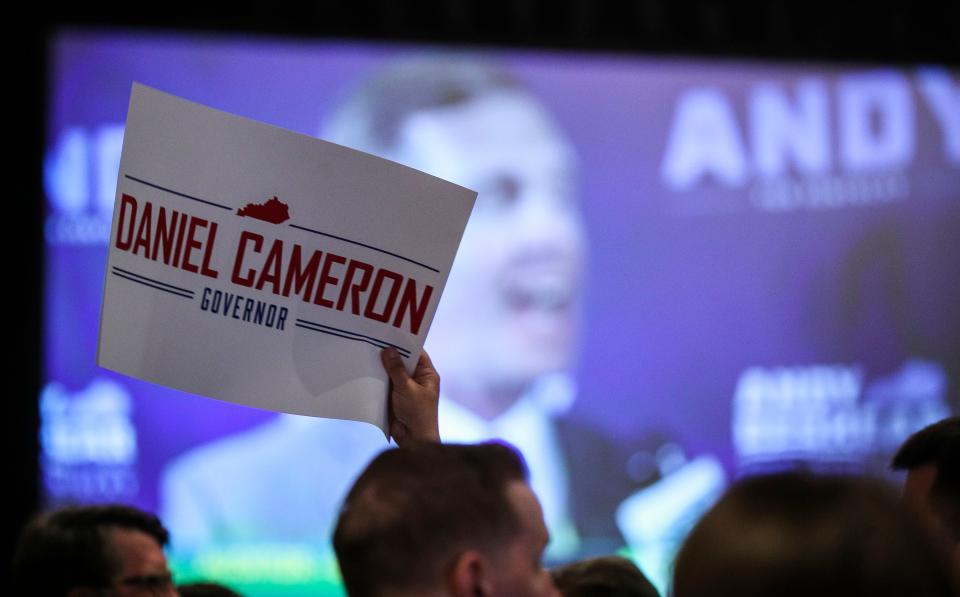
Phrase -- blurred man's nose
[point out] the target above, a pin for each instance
(546, 222)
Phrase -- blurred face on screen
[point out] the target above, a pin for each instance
(508, 313)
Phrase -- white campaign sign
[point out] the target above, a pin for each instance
(259, 266)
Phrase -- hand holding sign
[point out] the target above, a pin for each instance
(414, 401)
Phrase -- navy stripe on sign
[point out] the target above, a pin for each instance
(154, 286)
(177, 193)
(326, 329)
(146, 279)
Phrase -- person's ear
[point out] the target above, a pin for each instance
(470, 576)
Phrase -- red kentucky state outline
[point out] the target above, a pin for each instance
(273, 211)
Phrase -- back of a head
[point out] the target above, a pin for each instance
(793, 535)
(930, 445)
(608, 576)
(206, 589)
(68, 548)
(946, 490)
(937, 445)
(413, 510)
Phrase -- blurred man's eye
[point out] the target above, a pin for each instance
(499, 193)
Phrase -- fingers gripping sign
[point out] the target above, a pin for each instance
(413, 399)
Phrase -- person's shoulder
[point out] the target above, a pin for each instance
(604, 469)
(584, 437)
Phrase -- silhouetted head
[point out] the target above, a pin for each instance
(931, 458)
(608, 576)
(796, 535)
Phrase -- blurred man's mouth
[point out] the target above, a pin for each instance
(548, 292)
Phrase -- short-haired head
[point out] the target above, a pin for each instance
(931, 458)
(931, 445)
(607, 576)
(70, 547)
(796, 534)
(414, 510)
